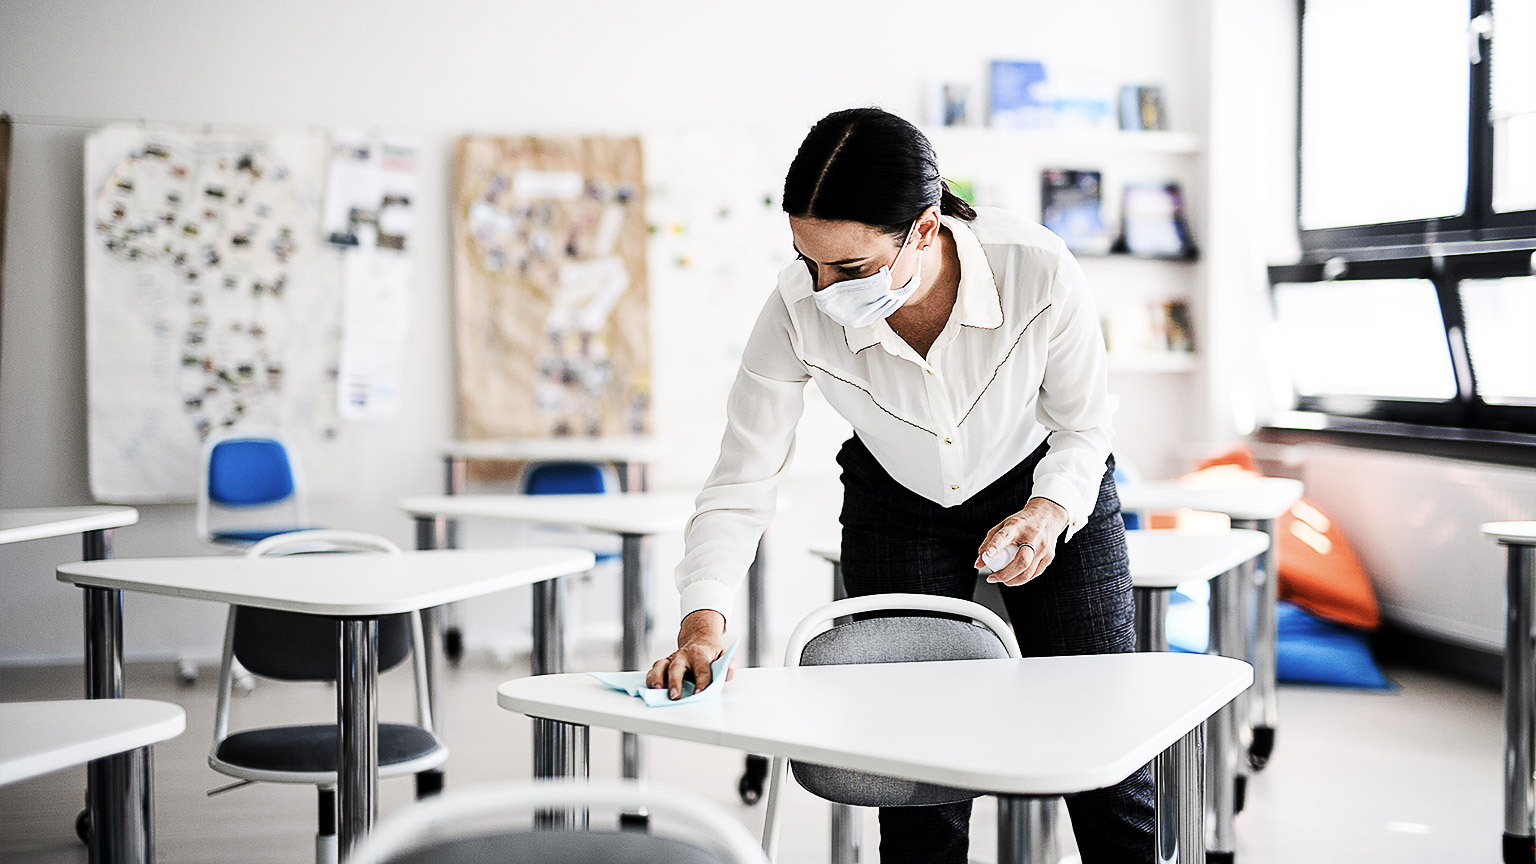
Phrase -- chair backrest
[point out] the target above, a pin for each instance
(461, 826)
(566, 478)
(944, 631)
(248, 468)
(292, 646)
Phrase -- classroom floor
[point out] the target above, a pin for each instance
(1409, 776)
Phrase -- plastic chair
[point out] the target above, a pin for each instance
(291, 646)
(884, 639)
(256, 472)
(460, 828)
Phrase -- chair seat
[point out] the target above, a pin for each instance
(313, 748)
(562, 847)
(251, 536)
(862, 789)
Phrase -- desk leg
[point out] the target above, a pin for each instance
(757, 604)
(119, 806)
(455, 481)
(1265, 700)
(560, 750)
(1024, 830)
(636, 630)
(1519, 707)
(549, 626)
(1228, 639)
(432, 533)
(1181, 800)
(1151, 618)
(357, 719)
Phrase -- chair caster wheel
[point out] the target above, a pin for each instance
(1261, 748)
(83, 826)
(1519, 849)
(1239, 793)
(634, 822)
(1220, 857)
(750, 788)
(453, 645)
(186, 672)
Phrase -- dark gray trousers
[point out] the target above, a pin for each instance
(894, 540)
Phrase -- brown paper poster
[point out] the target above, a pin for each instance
(553, 323)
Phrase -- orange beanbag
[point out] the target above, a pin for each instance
(1318, 570)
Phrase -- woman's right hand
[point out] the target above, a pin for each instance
(700, 642)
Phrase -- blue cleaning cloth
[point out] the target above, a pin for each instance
(633, 683)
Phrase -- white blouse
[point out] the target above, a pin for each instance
(1021, 359)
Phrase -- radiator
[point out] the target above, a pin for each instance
(1414, 522)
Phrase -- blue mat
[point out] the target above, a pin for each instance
(1309, 651)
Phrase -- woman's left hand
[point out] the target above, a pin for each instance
(1034, 530)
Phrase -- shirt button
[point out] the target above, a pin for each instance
(955, 488)
(947, 441)
(929, 371)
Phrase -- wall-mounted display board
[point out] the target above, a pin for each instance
(212, 300)
(551, 305)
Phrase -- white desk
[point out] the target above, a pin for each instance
(38, 523)
(1519, 541)
(1250, 502)
(355, 589)
(41, 737)
(126, 838)
(1108, 716)
(635, 517)
(1161, 561)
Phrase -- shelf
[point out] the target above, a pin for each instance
(1075, 140)
(1154, 361)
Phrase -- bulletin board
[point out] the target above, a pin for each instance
(212, 300)
(551, 301)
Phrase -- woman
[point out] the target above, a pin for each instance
(963, 347)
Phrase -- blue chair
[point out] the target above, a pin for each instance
(255, 474)
(572, 478)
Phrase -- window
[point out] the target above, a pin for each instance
(1417, 126)
(1423, 344)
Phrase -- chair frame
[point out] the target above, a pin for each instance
(401, 832)
(299, 498)
(825, 618)
(298, 542)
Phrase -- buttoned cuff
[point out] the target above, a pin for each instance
(707, 594)
(1059, 490)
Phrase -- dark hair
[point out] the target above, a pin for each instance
(868, 165)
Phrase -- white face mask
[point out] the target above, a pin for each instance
(861, 302)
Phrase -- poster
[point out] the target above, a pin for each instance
(550, 284)
(211, 301)
(369, 218)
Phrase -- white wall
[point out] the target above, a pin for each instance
(442, 70)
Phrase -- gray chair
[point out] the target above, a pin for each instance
(474, 826)
(291, 646)
(977, 633)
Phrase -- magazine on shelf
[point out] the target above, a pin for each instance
(1071, 207)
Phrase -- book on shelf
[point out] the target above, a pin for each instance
(1071, 206)
(1141, 109)
(1153, 222)
(1018, 96)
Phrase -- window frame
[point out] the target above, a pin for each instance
(1464, 412)
(1476, 228)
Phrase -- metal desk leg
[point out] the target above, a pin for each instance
(1024, 830)
(560, 750)
(750, 786)
(1519, 707)
(120, 824)
(636, 631)
(1228, 638)
(1264, 699)
(1151, 618)
(549, 626)
(357, 719)
(847, 828)
(432, 533)
(455, 480)
(1181, 801)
